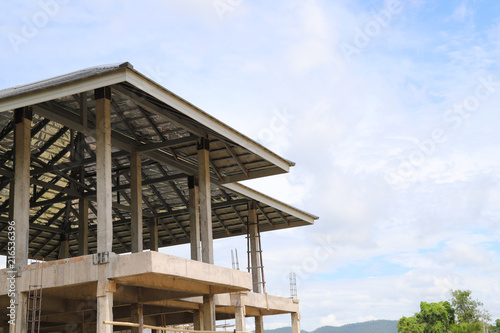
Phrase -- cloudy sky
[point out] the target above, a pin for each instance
(389, 109)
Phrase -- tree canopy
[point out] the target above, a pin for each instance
(461, 314)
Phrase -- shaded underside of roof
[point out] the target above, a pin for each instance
(63, 164)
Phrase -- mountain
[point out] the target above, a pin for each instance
(374, 326)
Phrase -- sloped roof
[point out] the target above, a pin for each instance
(145, 117)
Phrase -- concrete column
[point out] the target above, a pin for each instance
(208, 313)
(153, 234)
(295, 322)
(21, 215)
(207, 246)
(103, 167)
(254, 247)
(83, 227)
(137, 314)
(11, 199)
(194, 218)
(136, 201)
(20, 325)
(198, 320)
(259, 324)
(64, 248)
(238, 301)
(105, 289)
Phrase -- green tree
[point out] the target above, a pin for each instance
(410, 325)
(496, 328)
(432, 318)
(476, 327)
(466, 309)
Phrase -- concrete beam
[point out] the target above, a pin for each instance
(194, 218)
(103, 167)
(136, 201)
(22, 142)
(207, 246)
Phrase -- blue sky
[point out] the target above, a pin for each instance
(389, 109)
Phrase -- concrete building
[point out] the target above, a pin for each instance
(102, 167)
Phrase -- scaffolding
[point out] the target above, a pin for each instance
(35, 299)
(293, 285)
(258, 253)
(234, 259)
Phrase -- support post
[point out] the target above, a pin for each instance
(194, 218)
(83, 227)
(20, 324)
(137, 314)
(21, 216)
(103, 167)
(198, 320)
(295, 322)
(136, 201)
(105, 290)
(254, 247)
(207, 246)
(11, 199)
(64, 247)
(153, 233)
(208, 313)
(238, 301)
(259, 324)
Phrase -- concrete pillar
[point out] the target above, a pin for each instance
(64, 248)
(295, 322)
(198, 320)
(207, 246)
(153, 233)
(238, 301)
(20, 325)
(194, 218)
(208, 313)
(11, 199)
(21, 215)
(105, 290)
(137, 314)
(254, 247)
(136, 201)
(83, 227)
(259, 324)
(103, 167)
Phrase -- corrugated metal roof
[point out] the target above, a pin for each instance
(61, 79)
(167, 137)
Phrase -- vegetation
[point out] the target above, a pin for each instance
(461, 314)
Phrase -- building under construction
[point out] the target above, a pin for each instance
(102, 167)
